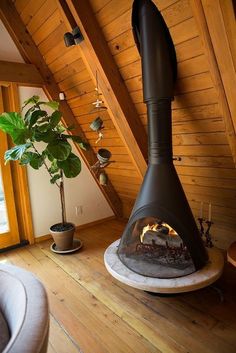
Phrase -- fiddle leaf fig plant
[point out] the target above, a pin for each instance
(40, 140)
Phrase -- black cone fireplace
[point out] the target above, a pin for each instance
(161, 240)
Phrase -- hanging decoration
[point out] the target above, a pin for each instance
(103, 155)
(98, 103)
(97, 125)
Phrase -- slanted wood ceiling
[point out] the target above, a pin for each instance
(207, 169)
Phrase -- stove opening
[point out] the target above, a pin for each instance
(151, 247)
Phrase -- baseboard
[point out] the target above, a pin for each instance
(94, 223)
(82, 226)
(42, 238)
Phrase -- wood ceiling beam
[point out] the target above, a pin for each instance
(208, 16)
(98, 58)
(31, 54)
(220, 41)
(20, 73)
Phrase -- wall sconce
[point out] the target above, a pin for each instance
(74, 37)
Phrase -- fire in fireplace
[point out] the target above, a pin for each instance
(161, 238)
(155, 249)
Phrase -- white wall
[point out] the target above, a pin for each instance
(80, 191)
(8, 49)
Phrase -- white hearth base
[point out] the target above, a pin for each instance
(199, 279)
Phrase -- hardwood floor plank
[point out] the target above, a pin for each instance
(87, 339)
(91, 312)
(60, 341)
(51, 349)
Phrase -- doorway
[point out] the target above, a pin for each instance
(9, 233)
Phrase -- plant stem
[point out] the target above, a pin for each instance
(44, 163)
(62, 195)
(61, 188)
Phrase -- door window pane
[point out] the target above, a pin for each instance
(3, 211)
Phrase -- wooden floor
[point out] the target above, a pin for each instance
(93, 313)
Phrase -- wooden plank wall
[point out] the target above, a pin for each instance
(206, 170)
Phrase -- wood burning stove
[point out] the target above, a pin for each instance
(161, 238)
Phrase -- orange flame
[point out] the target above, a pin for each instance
(154, 228)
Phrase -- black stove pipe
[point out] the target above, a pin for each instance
(159, 69)
(161, 194)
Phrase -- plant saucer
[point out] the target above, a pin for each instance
(77, 244)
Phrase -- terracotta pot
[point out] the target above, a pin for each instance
(63, 238)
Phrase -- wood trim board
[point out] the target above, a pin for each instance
(20, 73)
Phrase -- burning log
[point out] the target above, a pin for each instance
(160, 234)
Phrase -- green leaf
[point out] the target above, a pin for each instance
(11, 121)
(16, 152)
(71, 166)
(36, 160)
(74, 138)
(31, 100)
(59, 149)
(28, 115)
(46, 137)
(44, 127)
(84, 145)
(55, 178)
(46, 119)
(37, 114)
(45, 154)
(26, 158)
(78, 140)
(50, 157)
(55, 119)
(60, 128)
(52, 104)
(19, 136)
(54, 168)
(12, 124)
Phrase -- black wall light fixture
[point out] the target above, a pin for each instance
(74, 37)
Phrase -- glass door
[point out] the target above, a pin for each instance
(9, 234)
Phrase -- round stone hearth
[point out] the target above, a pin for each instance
(199, 279)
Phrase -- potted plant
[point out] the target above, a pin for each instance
(34, 129)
